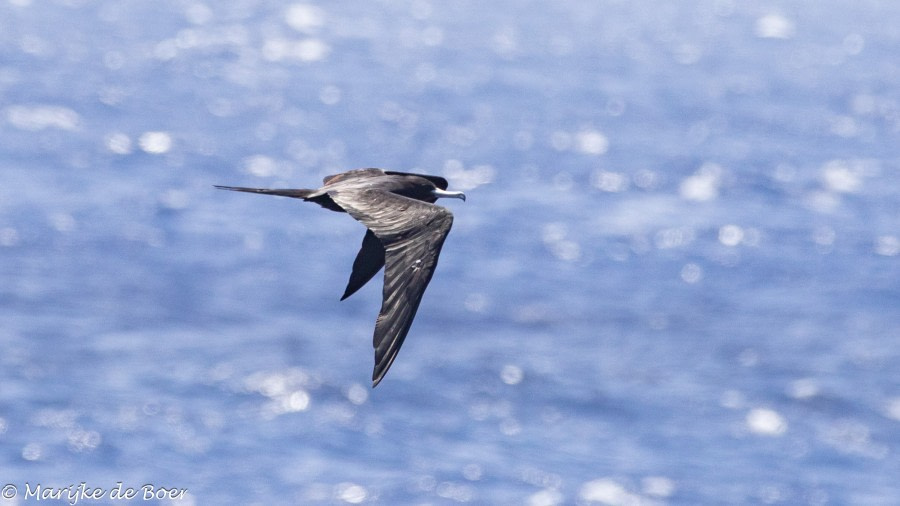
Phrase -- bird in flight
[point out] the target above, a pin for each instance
(405, 233)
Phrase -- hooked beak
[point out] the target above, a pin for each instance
(437, 192)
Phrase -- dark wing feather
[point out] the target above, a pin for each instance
(369, 261)
(412, 233)
(352, 174)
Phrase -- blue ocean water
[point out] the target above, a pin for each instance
(676, 279)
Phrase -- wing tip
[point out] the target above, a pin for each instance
(376, 378)
(383, 365)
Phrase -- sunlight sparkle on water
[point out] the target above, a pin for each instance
(155, 143)
(198, 14)
(805, 388)
(892, 408)
(304, 17)
(731, 235)
(658, 486)
(285, 389)
(32, 452)
(357, 394)
(557, 239)
(608, 491)
(350, 493)
(512, 374)
(766, 422)
(609, 181)
(691, 273)
(887, 245)
(40, 117)
(842, 176)
(774, 26)
(477, 302)
(546, 497)
(305, 50)
(467, 179)
(704, 184)
(592, 142)
(260, 166)
(118, 143)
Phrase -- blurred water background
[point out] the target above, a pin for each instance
(676, 279)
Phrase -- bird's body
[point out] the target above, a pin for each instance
(405, 233)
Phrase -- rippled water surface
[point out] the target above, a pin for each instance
(676, 279)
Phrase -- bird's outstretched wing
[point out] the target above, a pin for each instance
(369, 261)
(350, 175)
(412, 233)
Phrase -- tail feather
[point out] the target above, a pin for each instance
(297, 194)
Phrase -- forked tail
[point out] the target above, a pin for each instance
(297, 194)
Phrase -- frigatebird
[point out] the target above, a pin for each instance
(405, 231)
